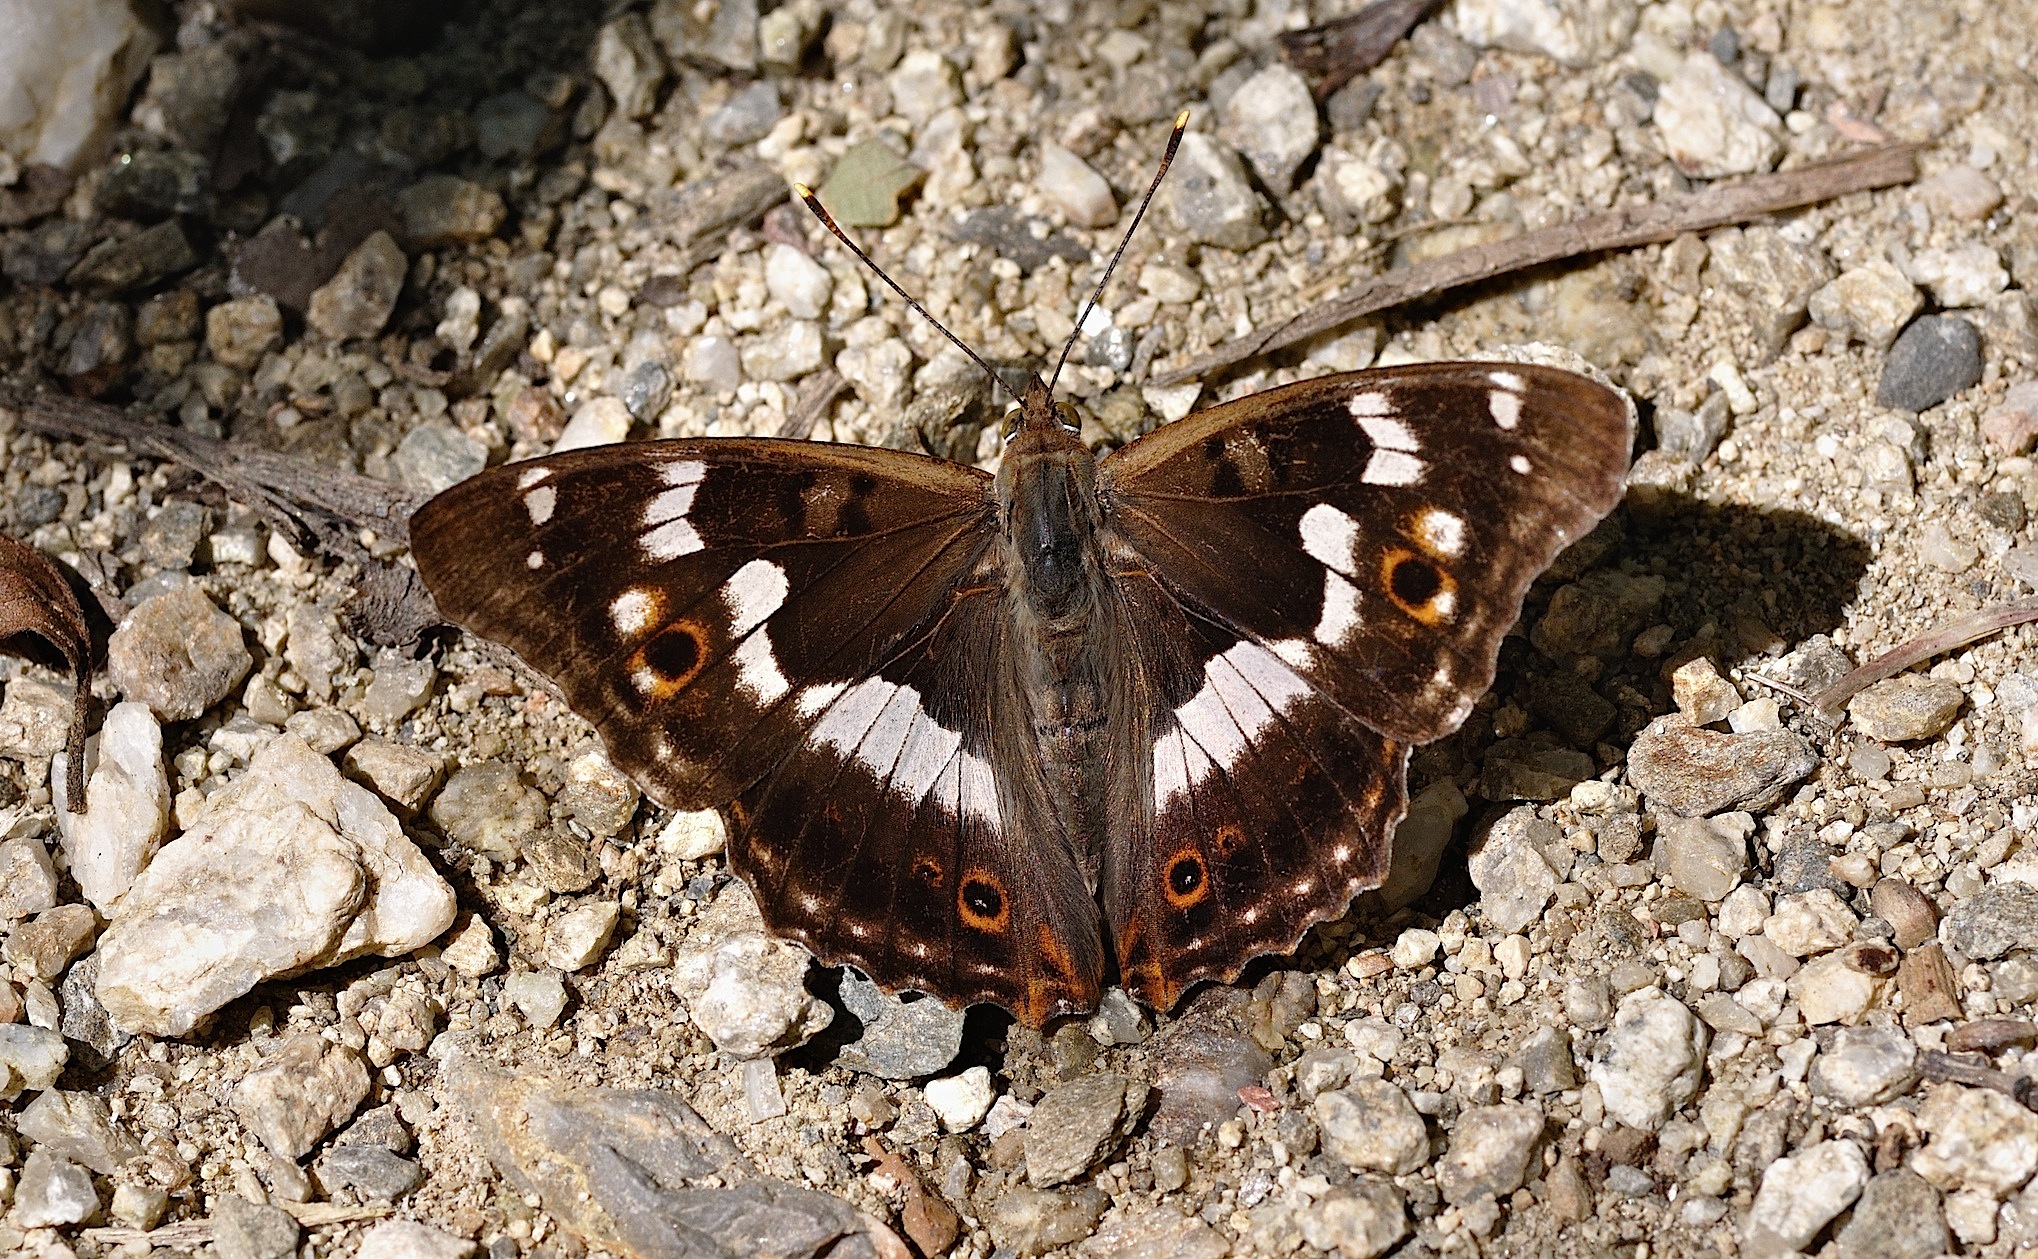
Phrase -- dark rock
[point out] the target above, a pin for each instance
(152, 184)
(1804, 864)
(1933, 359)
(1571, 706)
(243, 1230)
(1025, 242)
(748, 115)
(904, 1035)
(137, 261)
(370, 1174)
(1896, 1217)
(1030, 1221)
(42, 254)
(514, 124)
(1079, 1124)
(40, 190)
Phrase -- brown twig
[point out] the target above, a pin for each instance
(1621, 228)
(1954, 634)
(1945, 1068)
(308, 504)
(823, 387)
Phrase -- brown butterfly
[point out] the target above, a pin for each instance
(1003, 738)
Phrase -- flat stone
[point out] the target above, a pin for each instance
(28, 882)
(747, 116)
(1201, 1060)
(2012, 425)
(355, 304)
(628, 62)
(35, 718)
(1960, 192)
(786, 354)
(1865, 1066)
(1712, 123)
(124, 263)
(541, 995)
(1693, 771)
(1489, 1152)
(796, 280)
(178, 654)
(1598, 614)
(1804, 923)
(514, 124)
(78, 1127)
(368, 1173)
(1907, 707)
(1070, 185)
(486, 807)
(288, 869)
(2003, 916)
(1209, 196)
(404, 775)
(1935, 358)
(305, 1089)
(1800, 1195)
(1156, 1233)
(31, 1059)
(1650, 1064)
(44, 946)
(408, 1239)
(577, 938)
(922, 85)
(1828, 990)
(1512, 869)
(1027, 1221)
(1271, 120)
(905, 1035)
(436, 455)
(1897, 1216)
(1361, 1222)
(1960, 275)
(1080, 1123)
(241, 331)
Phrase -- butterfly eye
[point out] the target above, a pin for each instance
(1013, 419)
(1069, 417)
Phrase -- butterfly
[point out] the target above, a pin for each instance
(1002, 738)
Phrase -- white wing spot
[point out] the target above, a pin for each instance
(670, 541)
(1295, 652)
(1389, 433)
(631, 612)
(1441, 532)
(1393, 467)
(757, 670)
(1250, 916)
(672, 504)
(814, 698)
(1519, 463)
(810, 902)
(540, 502)
(1444, 603)
(532, 476)
(1331, 537)
(1505, 406)
(535, 560)
(1303, 887)
(1341, 854)
(1243, 690)
(1508, 380)
(684, 472)
(1339, 619)
(752, 593)
(1371, 403)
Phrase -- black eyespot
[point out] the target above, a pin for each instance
(1185, 876)
(1415, 583)
(983, 900)
(674, 654)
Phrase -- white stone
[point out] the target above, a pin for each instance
(1417, 946)
(290, 868)
(408, 1239)
(1804, 923)
(470, 947)
(1980, 1139)
(1870, 303)
(65, 73)
(31, 1059)
(787, 354)
(1830, 991)
(879, 373)
(1271, 120)
(28, 881)
(578, 937)
(127, 805)
(1800, 1195)
(1713, 123)
(1577, 33)
(597, 422)
(1964, 275)
(35, 718)
(1651, 1062)
(692, 836)
(1071, 186)
(962, 1100)
(923, 85)
(744, 989)
(797, 281)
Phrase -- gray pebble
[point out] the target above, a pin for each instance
(513, 124)
(1030, 1221)
(441, 210)
(1357, 1223)
(244, 1230)
(435, 455)
(77, 1127)
(1775, 275)
(1079, 1124)
(369, 1173)
(1271, 120)
(1865, 1066)
(241, 331)
(357, 301)
(1489, 1154)
(1935, 358)
(178, 654)
(1372, 1126)
(1209, 196)
(904, 1035)
(137, 261)
(2001, 917)
(52, 1193)
(1701, 859)
(748, 115)
(1897, 1216)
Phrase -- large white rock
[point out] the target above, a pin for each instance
(289, 869)
(1713, 123)
(65, 70)
(127, 804)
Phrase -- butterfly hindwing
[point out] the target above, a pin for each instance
(1391, 521)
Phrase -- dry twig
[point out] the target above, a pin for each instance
(1948, 637)
(1621, 228)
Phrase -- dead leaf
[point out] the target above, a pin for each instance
(37, 603)
(1339, 50)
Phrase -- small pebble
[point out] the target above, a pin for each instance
(1935, 358)
(1068, 183)
(1209, 196)
(1906, 708)
(1870, 303)
(962, 1100)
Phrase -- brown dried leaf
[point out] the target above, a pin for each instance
(36, 603)
(1339, 50)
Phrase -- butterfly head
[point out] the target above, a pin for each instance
(1049, 422)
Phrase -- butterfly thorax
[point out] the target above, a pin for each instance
(1061, 617)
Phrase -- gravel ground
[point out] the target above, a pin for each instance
(352, 936)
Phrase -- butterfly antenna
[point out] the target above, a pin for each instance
(806, 194)
(1167, 158)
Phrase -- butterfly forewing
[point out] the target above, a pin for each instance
(1377, 530)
